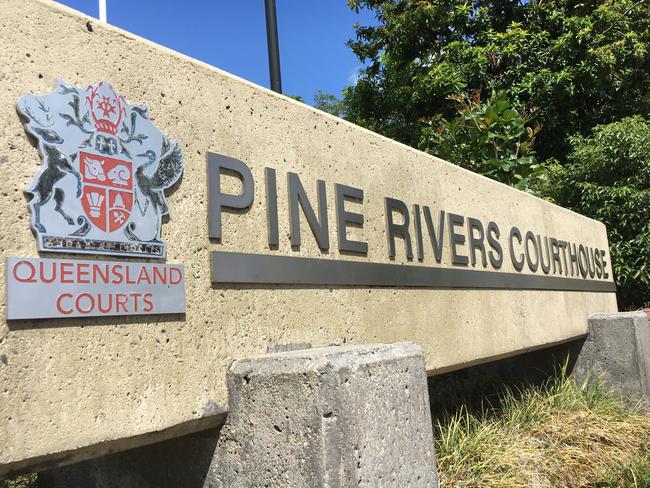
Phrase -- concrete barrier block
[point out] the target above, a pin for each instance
(617, 350)
(330, 417)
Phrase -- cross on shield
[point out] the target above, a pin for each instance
(107, 197)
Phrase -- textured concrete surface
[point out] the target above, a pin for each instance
(77, 388)
(331, 417)
(617, 350)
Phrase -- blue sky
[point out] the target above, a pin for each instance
(231, 35)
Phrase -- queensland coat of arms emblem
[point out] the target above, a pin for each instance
(101, 186)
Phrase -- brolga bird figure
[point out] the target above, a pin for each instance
(167, 173)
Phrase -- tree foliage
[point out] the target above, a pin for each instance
(578, 63)
(546, 95)
(329, 103)
(607, 178)
(493, 138)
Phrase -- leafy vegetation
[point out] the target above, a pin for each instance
(607, 177)
(558, 435)
(489, 137)
(329, 103)
(578, 63)
(512, 89)
(27, 481)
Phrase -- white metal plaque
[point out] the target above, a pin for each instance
(106, 167)
(58, 288)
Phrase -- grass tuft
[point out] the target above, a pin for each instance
(27, 481)
(559, 434)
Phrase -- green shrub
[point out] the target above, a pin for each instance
(582, 63)
(607, 178)
(493, 138)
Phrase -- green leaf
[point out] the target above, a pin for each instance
(510, 114)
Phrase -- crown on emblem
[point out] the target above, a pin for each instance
(106, 107)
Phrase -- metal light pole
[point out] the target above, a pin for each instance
(102, 10)
(274, 49)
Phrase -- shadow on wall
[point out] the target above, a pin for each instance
(184, 461)
(481, 384)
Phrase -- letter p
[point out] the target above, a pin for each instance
(218, 200)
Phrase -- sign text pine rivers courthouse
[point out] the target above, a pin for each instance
(101, 190)
(419, 229)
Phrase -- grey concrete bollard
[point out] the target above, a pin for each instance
(339, 417)
(333, 417)
(617, 350)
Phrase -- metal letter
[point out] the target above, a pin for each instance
(591, 265)
(573, 259)
(319, 227)
(436, 241)
(555, 250)
(493, 234)
(271, 207)
(393, 229)
(476, 242)
(599, 264)
(531, 265)
(546, 266)
(583, 267)
(456, 239)
(518, 264)
(602, 259)
(563, 245)
(343, 218)
(218, 200)
(419, 244)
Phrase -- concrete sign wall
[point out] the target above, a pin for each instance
(420, 250)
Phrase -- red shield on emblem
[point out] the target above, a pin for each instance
(107, 195)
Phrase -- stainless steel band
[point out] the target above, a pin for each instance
(242, 268)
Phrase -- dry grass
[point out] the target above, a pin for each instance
(28, 481)
(558, 435)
